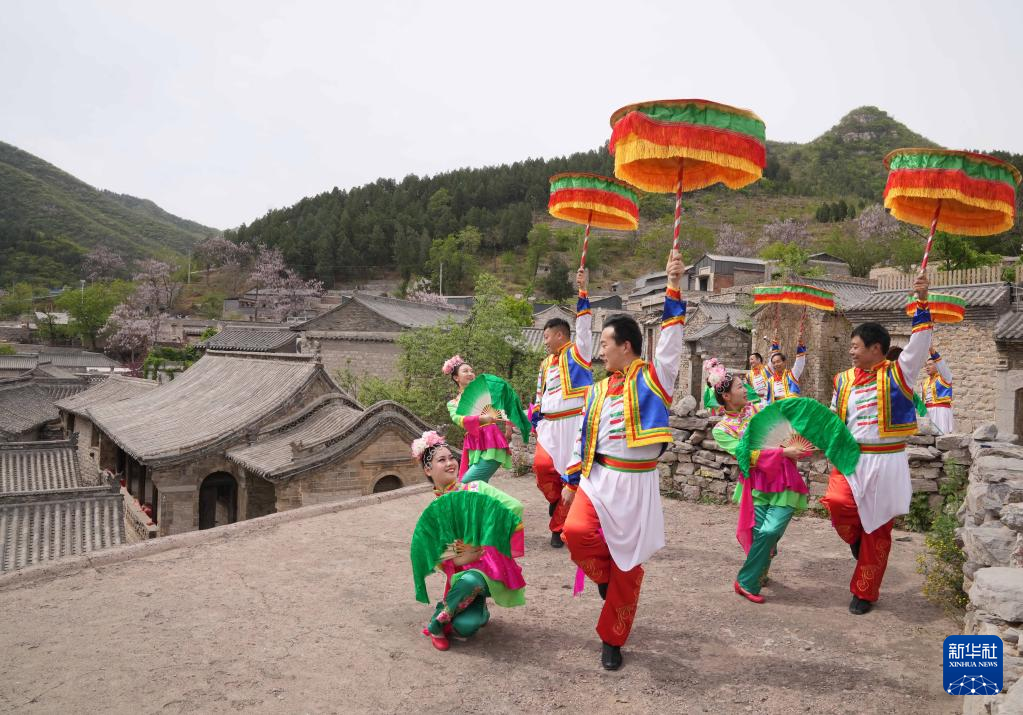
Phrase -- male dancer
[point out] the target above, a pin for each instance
(875, 399)
(938, 394)
(565, 375)
(784, 382)
(760, 378)
(615, 522)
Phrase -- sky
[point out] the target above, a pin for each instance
(222, 110)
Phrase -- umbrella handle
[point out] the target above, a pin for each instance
(586, 241)
(678, 213)
(930, 237)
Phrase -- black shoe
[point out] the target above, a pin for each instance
(556, 541)
(859, 606)
(552, 507)
(855, 548)
(602, 587)
(611, 656)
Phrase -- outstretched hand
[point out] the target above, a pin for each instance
(580, 280)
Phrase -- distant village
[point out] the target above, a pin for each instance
(92, 455)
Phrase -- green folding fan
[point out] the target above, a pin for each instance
(455, 519)
(492, 396)
(799, 422)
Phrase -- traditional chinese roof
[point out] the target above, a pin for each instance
(728, 312)
(214, 402)
(42, 527)
(24, 406)
(250, 339)
(401, 313)
(27, 467)
(1010, 327)
(982, 295)
(330, 428)
(112, 389)
(710, 329)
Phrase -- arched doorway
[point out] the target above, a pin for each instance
(386, 484)
(218, 500)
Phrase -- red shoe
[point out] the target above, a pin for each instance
(746, 594)
(439, 642)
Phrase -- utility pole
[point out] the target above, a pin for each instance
(442, 278)
(189, 268)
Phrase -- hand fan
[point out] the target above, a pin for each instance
(803, 423)
(466, 517)
(492, 396)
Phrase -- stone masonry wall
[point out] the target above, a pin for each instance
(992, 540)
(361, 358)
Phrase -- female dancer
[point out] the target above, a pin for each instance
(474, 573)
(768, 496)
(485, 447)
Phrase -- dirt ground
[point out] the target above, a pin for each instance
(318, 615)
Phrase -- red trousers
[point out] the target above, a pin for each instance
(874, 547)
(589, 552)
(548, 481)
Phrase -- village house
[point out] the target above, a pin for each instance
(253, 337)
(240, 435)
(712, 273)
(359, 337)
(27, 412)
(73, 360)
(47, 511)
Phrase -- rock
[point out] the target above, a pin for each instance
(1012, 516)
(702, 413)
(920, 454)
(921, 439)
(996, 468)
(817, 489)
(708, 459)
(924, 485)
(710, 444)
(697, 437)
(684, 407)
(920, 472)
(821, 466)
(691, 493)
(668, 457)
(689, 423)
(664, 470)
(1012, 701)
(990, 544)
(685, 469)
(986, 432)
(684, 448)
(714, 474)
(681, 435)
(959, 456)
(948, 442)
(984, 501)
(725, 458)
(999, 591)
(998, 449)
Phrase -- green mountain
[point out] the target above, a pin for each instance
(49, 220)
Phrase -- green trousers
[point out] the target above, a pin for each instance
(464, 606)
(482, 471)
(769, 525)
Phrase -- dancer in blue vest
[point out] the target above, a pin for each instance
(938, 394)
(615, 522)
(784, 382)
(875, 400)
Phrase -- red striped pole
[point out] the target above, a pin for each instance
(930, 238)
(586, 241)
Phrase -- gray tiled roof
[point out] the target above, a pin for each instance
(250, 339)
(1010, 327)
(39, 466)
(112, 389)
(332, 428)
(18, 362)
(63, 390)
(708, 329)
(847, 293)
(408, 314)
(24, 406)
(218, 397)
(72, 522)
(67, 359)
(980, 295)
(720, 311)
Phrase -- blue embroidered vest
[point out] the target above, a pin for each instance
(573, 367)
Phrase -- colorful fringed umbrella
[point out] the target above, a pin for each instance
(794, 294)
(677, 145)
(593, 200)
(799, 422)
(959, 192)
(944, 308)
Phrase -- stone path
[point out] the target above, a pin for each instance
(318, 615)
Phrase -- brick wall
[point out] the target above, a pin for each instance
(361, 358)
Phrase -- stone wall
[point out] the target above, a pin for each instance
(992, 540)
(360, 357)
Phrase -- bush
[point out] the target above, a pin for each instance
(942, 564)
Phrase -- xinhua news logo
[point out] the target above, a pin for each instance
(973, 665)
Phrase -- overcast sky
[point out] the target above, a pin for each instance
(219, 111)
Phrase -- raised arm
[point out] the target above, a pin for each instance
(799, 364)
(583, 321)
(673, 325)
(914, 355)
(943, 369)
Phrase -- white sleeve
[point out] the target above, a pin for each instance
(944, 370)
(798, 366)
(915, 354)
